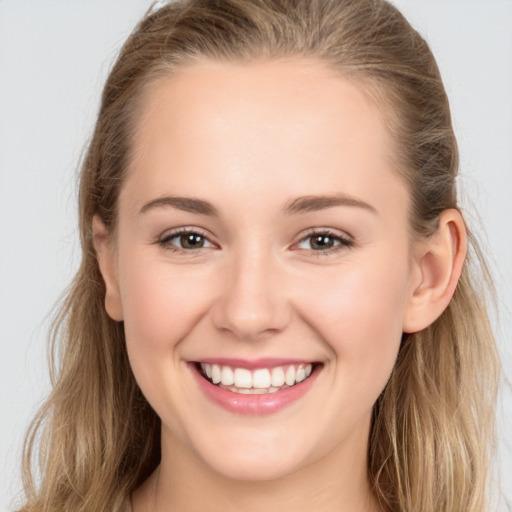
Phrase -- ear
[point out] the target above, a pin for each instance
(439, 261)
(106, 255)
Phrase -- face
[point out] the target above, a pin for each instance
(262, 241)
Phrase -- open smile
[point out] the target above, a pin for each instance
(261, 380)
(250, 388)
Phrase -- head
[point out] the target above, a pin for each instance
(370, 50)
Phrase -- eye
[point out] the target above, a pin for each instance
(324, 241)
(185, 240)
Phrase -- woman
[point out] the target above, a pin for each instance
(274, 308)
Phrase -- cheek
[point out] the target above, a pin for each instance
(360, 296)
(161, 305)
(358, 311)
(161, 302)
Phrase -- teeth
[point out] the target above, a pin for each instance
(226, 377)
(277, 377)
(216, 373)
(243, 378)
(289, 376)
(262, 380)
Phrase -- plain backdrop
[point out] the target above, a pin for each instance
(54, 57)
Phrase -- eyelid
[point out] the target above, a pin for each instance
(164, 239)
(345, 240)
(180, 230)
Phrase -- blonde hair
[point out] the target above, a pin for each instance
(433, 425)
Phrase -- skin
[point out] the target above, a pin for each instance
(249, 139)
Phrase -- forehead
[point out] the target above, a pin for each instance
(293, 119)
(295, 91)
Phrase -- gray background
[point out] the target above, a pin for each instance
(54, 57)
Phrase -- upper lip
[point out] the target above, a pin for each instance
(252, 364)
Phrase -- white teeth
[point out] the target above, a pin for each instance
(226, 376)
(261, 379)
(243, 378)
(289, 376)
(215, 373)
(277, 377)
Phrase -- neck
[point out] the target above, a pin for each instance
(337, 482)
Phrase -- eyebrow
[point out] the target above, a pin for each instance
(298, 205)
(313, 203)
(186, 204)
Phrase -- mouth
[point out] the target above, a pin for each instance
(255, 388)
(257, 381)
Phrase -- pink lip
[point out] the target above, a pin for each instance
(266, 403)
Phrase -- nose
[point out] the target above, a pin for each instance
(253, 303)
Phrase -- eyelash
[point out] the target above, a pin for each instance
(165, 241)
(341, 242)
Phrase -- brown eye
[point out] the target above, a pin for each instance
(191, 241)
(185, 240)
(321, 242)
(324, 242)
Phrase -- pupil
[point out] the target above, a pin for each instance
(192, 241)
(322, 242)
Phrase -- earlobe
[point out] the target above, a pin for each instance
(439, 261)
(107, 263)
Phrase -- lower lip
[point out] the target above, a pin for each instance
(265, 403)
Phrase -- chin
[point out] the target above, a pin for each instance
(255, 469)
(260, 455)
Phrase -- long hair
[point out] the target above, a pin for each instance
(433, 425)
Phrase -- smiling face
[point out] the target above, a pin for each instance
(262, 239)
